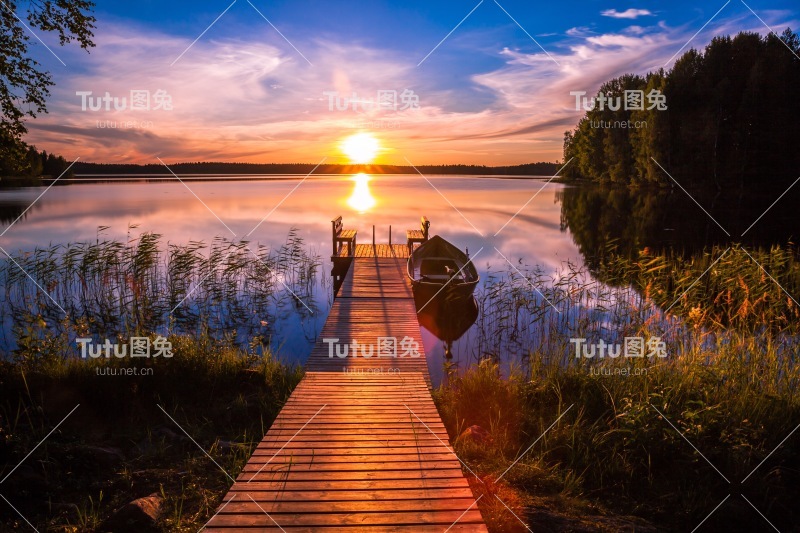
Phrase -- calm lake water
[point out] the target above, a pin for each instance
(526, 221)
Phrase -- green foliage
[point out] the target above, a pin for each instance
(20, 160)
(731, 116)
(12, 155)
(24, 86)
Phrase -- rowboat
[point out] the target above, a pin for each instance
(438, 267)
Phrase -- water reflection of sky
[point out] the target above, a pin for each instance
(480, 207)
(73, 213)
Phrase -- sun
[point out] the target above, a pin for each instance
(360, 148)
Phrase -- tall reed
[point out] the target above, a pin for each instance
(110, 288)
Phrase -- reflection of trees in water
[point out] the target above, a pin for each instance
(10, 210)
(667, 219)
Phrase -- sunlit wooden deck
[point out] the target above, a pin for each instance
(359, 446)
(375, 300)
(399, 251)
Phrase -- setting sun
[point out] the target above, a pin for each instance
(360, 148)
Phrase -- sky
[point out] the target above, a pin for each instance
(274, 82)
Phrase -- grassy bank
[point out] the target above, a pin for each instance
(119, 445)
(612, 456)
(146, 432)
(614, 461)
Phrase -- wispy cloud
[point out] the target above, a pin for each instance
(579, 31)
(245, 100)
(627, 14)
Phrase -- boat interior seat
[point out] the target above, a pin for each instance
(437, 266)
(435, 277)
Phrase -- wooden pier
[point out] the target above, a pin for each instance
(359, 445)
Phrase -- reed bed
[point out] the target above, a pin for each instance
(747, 290)
(217, 304)
(526, 310)
(728, 383)
(113, 289)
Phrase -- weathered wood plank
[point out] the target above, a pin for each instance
(472, 528)
(306, 506)
(413, 518)
(333, 485)
(395, 494)
(395, 251)
(280, 474)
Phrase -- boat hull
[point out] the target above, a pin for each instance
(429, 291)
(438, 267)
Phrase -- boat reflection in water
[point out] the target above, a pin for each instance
(443, 279)
(447, 316)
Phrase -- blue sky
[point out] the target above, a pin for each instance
(488, 94)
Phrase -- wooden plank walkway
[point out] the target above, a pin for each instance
(382, 250)
(359, 445)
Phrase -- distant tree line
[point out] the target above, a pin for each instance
(731, 119)
(26, 161)
(23, 160)
(211, 168)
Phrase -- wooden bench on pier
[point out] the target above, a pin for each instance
(418, 235)
(343, 236)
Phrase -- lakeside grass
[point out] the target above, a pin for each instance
(612, 456)
(747, 290)
(223, 386)
(612, 463)
(119, 445)
(729, 384)
(122, 288)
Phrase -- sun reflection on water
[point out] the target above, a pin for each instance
(361, 200)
